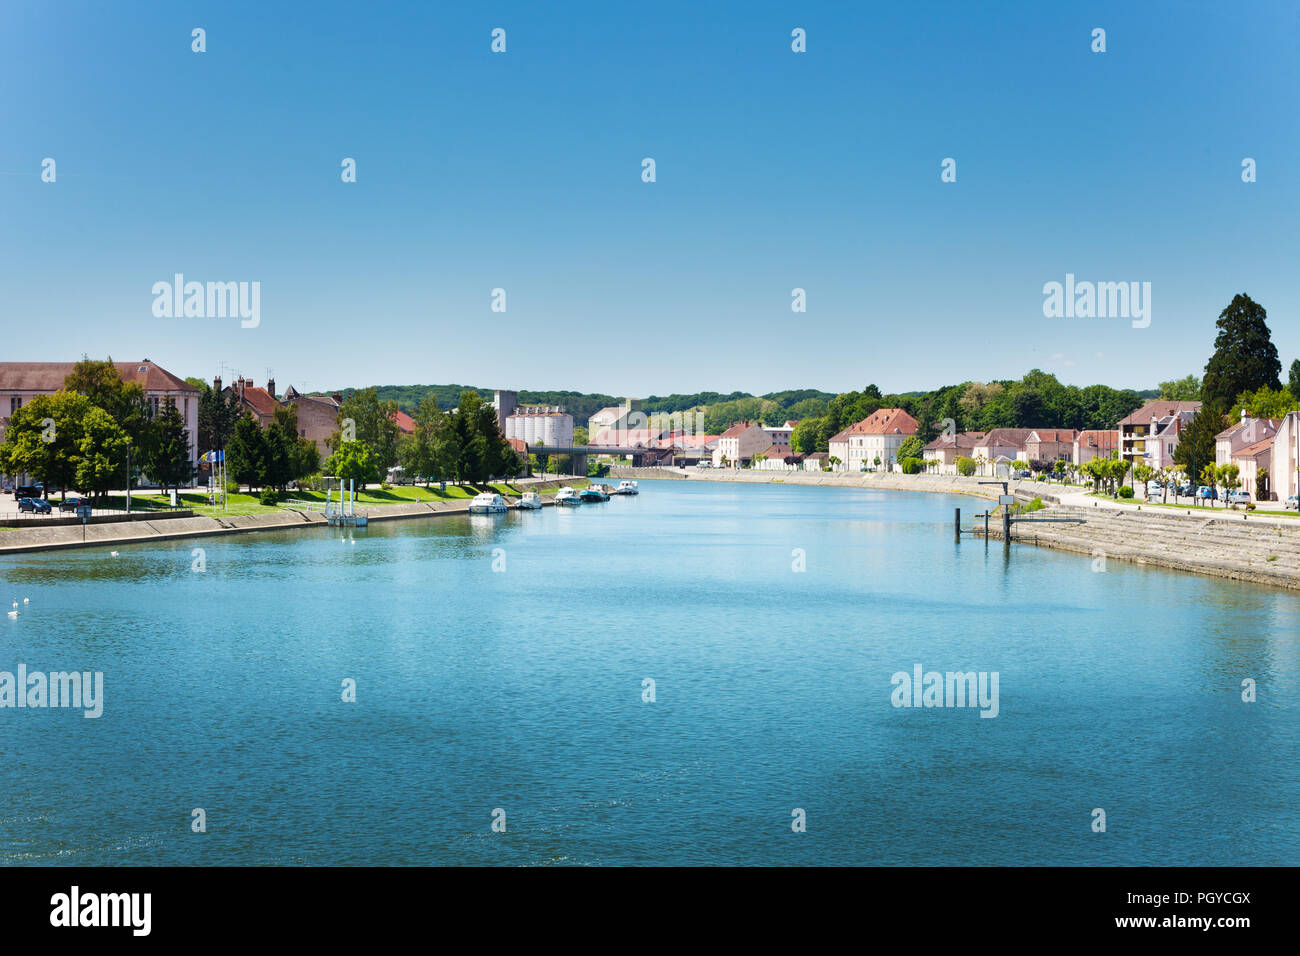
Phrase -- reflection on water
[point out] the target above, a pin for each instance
(522, 689)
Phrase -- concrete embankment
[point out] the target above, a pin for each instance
(1260, 549)
(34, 535)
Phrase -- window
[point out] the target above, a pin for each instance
(15, 403)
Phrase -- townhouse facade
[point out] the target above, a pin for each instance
(739, 444)
(1094, 443)
(878, 436)
(1150, 434)
(941, 455)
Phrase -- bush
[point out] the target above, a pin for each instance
(1126, 491)
(269, 496)
(966, 466)
(232, 487)
(385, 486)
(912, 466)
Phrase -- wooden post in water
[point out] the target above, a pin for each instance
(956, 524)
(1006, 524)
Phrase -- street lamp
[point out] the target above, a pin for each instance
(128, 474)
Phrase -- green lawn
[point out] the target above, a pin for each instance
(246, 504)
(1218, 509)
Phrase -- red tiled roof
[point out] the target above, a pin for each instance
(1250, 451)
(519, 445)
(404, 421)
(1098, 438)
(884, 421)
(1055, 434)
(49, 376)
(1159, 409)
(737, 430)
(258, 399)
(957, 441)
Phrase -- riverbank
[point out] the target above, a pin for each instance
(1259, 549)
(165, 526)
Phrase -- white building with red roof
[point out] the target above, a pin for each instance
(878, 436)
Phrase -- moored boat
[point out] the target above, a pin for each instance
(594, 493)
(626, 487)
(567, 496)
(529, 501)
(487, 504)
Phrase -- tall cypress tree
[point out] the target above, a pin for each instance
(1244, 354)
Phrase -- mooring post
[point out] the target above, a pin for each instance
(956, 524)
(1006, 524)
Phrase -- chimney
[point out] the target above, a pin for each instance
(270, 387)
(216, 384)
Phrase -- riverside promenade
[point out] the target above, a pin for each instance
(163, 526)
(1239, 545)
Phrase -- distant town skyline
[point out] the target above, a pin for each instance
(775, 171)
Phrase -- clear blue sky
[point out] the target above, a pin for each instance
(522, 171)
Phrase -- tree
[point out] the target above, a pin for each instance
(1228, 478)
(1244, 355)
(1293, 380)
(1210, 478)
(168, 459)
(1144, 473)
(1196, 442)
(372, 424)
(218, 414)
(966, 466)
(912, 447)
(246, 453)
(124, 401)
(43, 439)
(1261, 484)
(1265, 402)
(1182, 390)
(354, 461)
(101, 453)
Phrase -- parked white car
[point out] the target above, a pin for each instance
(1238, 497)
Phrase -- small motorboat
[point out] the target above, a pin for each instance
(488, 504)
(593, 493)
(529, 501)
(626, 487)
(567, 496)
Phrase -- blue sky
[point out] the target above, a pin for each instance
(522, 171)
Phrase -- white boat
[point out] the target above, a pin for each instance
(488, 504)
(626, 487)
(529, 501)
(567, 496)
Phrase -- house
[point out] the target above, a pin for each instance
(1150, 434)
(1247, 431)
(1050, 444)
(739, 443)
(941, 455)
(1000, 447)
(1094, 443)
(817, 461)
(878, 436)
(779, 458)
(261, 403)
(541, 425)
(1284, 472)
(1255, 467)
(318, 416)
(689, 448)
(20, 382)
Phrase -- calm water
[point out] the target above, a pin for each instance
(523, 690)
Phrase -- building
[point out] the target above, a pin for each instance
(1284, 473)
(505, 402)
(1094, 443)
(1255, 467)
(817, 461)
(318, 416)
(780, 434)
(616, 417)
(878, 436)
(1150, 434)
(1000, 447)
(1050, 444)
(541, 425)
(261, 403)
(20, 382)
(1247, 431)
(739, 444)
(941, 455)
(404, 422)
(779, 458)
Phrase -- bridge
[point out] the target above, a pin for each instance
(578, 453)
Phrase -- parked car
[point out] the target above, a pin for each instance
(1184, 490)
(37, 506)
(72, 504)
(1205, 491)
(27, 491)
(1239, 497)
(1293, 502)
